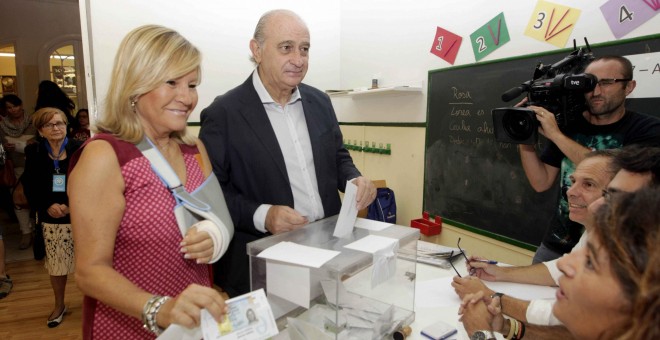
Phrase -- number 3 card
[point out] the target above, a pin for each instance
(552, 23)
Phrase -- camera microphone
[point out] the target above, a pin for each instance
(516, 91)
(512, 93)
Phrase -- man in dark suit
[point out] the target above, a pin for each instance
(276, 147)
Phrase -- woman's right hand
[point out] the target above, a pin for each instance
(186, 309)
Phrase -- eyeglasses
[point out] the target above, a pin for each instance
(59, 125)
(451, 257)
(608, 82)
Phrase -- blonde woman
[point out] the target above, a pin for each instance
(138, 274)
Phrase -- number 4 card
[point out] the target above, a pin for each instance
(623, 16)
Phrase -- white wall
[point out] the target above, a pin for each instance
(391, 39)
(221, 30)
(353, 41)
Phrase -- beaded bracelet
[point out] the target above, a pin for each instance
(149, 312)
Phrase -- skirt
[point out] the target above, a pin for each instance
(59, 249)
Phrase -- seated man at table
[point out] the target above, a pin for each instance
(639, 167)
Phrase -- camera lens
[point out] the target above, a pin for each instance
(518, 124)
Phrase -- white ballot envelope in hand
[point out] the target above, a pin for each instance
(250, 318)
(347, 213)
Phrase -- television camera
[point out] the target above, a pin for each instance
(558, 87)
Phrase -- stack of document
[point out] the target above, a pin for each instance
(433, 254)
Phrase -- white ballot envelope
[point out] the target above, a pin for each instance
(347, 213)
(250, 318)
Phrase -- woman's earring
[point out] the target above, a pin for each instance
(133, 103)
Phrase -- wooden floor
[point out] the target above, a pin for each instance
(23, 313)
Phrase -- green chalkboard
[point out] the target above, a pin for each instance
(478, 183)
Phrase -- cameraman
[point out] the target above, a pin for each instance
(605, 125)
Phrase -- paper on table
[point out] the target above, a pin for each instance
(364, 223)
(435, 293)
(298, 254)
(372, 243)
(348, 212)
(289, 282)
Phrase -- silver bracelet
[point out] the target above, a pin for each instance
(149, 312)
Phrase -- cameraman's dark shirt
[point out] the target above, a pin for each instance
(633, 128)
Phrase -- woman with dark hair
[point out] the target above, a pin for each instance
(82, 133)
(16, 132)
(50, 94)
(609, 289)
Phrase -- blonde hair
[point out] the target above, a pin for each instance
(42, 116)
(147, 57)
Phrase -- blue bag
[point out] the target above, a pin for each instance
(383, 208)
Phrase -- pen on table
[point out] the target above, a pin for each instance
(484, 261)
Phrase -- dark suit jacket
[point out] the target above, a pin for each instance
(249, 164)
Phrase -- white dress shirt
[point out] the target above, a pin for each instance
(290, 128)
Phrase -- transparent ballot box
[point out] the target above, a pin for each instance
(365, 289)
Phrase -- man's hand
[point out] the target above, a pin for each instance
(281, 218)
(548, 122)
(469, 285)
(479, 312)
(484, 271)
(366, 192)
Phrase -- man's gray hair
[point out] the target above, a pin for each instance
(259, 34)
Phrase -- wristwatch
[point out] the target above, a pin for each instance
(482, 335)
(500, 296)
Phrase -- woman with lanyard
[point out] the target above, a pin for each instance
(45, 180)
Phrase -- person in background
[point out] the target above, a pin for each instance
(276, 147)
(606, 124)
(609, 289)
(138, 273)
(82, 133)
(17, 131)
(49, 94)
(6, 282)
(44, 180)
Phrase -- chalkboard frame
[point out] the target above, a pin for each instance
(556, 55)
